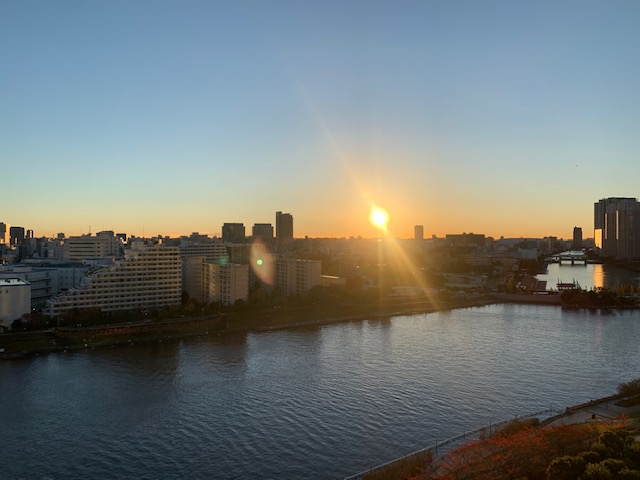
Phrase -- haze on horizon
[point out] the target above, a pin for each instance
(497, 117)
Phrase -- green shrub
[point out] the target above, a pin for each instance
(590, 456)
(566, 468)
(597, 471)
(626, 474)
(613, 465)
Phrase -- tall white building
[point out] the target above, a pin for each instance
(15, 300)
(196, 257)
(195, 278)
(295, 276)
(228, 283)
(150, 276)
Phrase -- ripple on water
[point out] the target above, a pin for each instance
(312, 403)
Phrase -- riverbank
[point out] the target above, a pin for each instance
(603, 410)
(21, 344)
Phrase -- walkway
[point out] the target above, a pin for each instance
(604, 409)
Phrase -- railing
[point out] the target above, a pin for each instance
(463, 436)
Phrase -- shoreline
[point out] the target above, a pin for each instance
(602, 409)
(57, 340)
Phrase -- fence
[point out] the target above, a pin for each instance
(463, 436)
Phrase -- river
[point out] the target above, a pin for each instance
(588, 276)
(316, 403)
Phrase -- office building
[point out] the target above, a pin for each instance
(150, 276)
(264, 231)
(617, 227)
(16, 235)
(3, 232)
(418, 232)
(577, 238)
(284, 228)
(233, 233)
(43, 281)
(103, 244)
(466, 240)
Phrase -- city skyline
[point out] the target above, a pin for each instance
(169, 118)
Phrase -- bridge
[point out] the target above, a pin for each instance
(573, 257)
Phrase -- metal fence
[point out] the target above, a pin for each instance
(439, 447)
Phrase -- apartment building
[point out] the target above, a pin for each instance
(228, 283)
(150, 276)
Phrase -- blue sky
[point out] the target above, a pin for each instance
(497, 117)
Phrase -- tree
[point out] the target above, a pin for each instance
(629, 388)
(17, 325)
(597, 471)
(627, 474)
(566, 468)
(258, 296)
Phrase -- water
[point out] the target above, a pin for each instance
(318, 403)
(588, 276)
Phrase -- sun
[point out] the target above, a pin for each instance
(379, 217)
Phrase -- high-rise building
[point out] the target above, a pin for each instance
(418, 232)
(263, 231)
(3, 232)
(284, 228)
(617, 227)
(233, 233)
(194, 278)
(16, 235)
(577, 238)
(295, 276)
(195, 259)
(228, 283)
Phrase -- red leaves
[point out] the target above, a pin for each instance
(523, 454)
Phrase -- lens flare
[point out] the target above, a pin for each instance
(262, 263)
(379, 217)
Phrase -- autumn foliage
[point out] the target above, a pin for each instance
(525, 450)
(523, 454)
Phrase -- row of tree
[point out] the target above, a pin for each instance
(528, 452)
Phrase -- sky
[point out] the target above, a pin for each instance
(154, 117)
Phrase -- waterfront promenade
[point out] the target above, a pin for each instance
(605, 409)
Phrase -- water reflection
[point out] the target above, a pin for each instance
(308, 403)
(588, 276)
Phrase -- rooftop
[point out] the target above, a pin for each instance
(4, 282)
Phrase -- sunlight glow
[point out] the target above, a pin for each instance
(379, 217)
